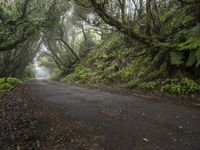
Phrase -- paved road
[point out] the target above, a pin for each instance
(122, 122)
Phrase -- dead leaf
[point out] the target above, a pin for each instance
(145, 140)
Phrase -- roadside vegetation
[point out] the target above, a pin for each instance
(115, 66)
(133, 44)
(6, 84)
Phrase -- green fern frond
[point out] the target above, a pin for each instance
(177, 58)
(190, 44)
(197, 54)
(191, 59)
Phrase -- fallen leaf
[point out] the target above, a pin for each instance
(180, 127)
(145, 139)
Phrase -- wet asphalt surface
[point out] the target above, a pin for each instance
(122, 122)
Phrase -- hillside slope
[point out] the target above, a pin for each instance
(114, 63)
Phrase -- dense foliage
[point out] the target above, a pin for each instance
(6, 84)
(136, 43)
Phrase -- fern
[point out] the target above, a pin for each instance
(190, 44)
(197, 54)
(191, 59)
(194, 58)
(177, 58)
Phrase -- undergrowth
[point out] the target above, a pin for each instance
(7, 84)
(113, 64)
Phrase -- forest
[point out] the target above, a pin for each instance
(132, 44)
(99, 74)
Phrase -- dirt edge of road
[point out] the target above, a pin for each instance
(27, 122)
(192, 101)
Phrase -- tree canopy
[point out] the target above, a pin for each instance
(60, 33)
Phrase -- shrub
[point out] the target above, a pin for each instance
(131, 70)
(126, 72)
(184, 86)
(14, 81)
(5, 87)
(2, 80)
(81, 74)
(11, 81)
(133, 84)
(148, 85)
(54, 73)
(141, 85)
(116, 41)
(27, 79)
(155, 74)
(69, 77)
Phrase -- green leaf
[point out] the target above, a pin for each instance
(177, 58)
(191, 59)
(197, 54)
(191, 43)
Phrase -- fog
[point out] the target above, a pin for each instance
(41, 72)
